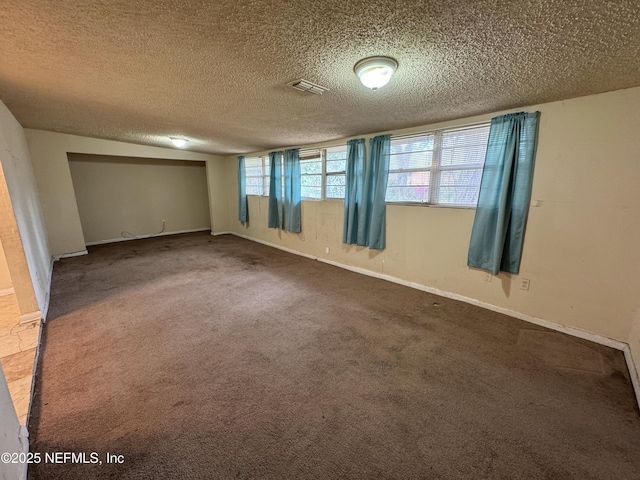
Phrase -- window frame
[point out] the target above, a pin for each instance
(436, 168)
(261, 176)
(323, 175)
(307, 154)
(333, 174)
(264, 160)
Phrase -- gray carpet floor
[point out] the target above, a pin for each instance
(200, 357)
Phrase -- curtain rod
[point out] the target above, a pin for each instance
(346, 139)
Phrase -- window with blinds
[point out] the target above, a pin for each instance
(257, 175)
(266, 175)
(322, 173)
(311, 169)
(254, 175)
(440, 168)
(336, 165)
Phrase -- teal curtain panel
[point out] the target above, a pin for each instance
(243, 210)
(353, 190)
(505, 193)
(275, 190)
(372, 217)
(292, 185)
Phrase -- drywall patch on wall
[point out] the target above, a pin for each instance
(124, 197)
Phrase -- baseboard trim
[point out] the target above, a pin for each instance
(633, 372)
(32, 317)
(54, 259)
(23, 436)
(163, 234)
(289, 250)
(576, 332)
(47, 300)
(33, 376)
(60, 256)
(215, 234)
(573, 331)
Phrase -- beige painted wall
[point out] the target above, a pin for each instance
(21, 221)
(53, 177)
(116, 194)
(582, 245)
(218, 195)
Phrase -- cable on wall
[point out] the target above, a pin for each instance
(125, 234)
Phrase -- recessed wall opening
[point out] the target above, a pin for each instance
(122, 198)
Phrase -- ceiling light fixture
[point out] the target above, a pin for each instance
(178, 142)
(375, 72)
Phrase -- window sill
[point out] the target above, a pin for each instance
(432, 205)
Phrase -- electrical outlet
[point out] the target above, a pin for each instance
(487, 277)
(326, 250)
(301, 235)
(524, 283)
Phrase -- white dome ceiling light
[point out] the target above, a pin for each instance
(178, 142)
(375, 72)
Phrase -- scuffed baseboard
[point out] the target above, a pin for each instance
(58, 256)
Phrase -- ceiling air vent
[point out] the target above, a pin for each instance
(307, 86)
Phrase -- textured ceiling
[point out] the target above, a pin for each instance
(215, 71)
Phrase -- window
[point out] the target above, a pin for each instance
(439, 168)
(311, 167)
(323, 173)
(253, 169)
(266, 175)
(336, 165)
(257, 175)
(410, 165)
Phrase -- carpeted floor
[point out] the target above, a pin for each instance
(197, 357)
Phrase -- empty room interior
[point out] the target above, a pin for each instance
(314, 240)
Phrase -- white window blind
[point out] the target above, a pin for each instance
(323, 172)
(266, 181)
(336, 163)
(253, 173)
(462, 155)
(311, 171)
(441, 168)
(410, 165)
